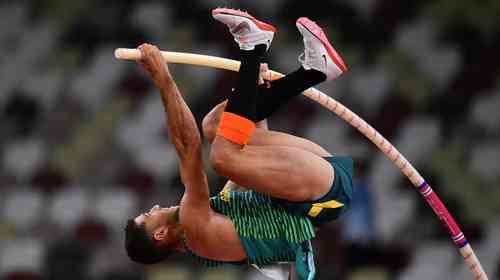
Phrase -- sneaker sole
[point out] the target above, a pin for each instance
(320, 34)
(261, 25)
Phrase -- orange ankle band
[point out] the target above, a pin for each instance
(235, 128)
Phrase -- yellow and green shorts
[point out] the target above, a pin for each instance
(334, 203)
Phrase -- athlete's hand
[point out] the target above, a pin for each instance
(265, 75)
(153, 62)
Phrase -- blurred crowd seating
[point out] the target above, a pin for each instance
(84, 146)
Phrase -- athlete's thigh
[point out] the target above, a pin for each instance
(283, 172)
(263, 137)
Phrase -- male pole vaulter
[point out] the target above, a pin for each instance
(297, 184)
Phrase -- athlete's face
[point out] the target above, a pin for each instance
(158, 219)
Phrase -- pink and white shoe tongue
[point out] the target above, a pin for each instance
(312, 27)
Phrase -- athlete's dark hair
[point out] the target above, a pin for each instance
(140, 247)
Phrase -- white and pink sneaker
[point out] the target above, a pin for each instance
(318, 52)
(247, 30)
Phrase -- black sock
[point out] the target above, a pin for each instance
(282, 90)
(242, 101)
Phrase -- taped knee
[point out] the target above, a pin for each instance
(235, 128)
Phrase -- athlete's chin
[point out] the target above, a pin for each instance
(170, 215)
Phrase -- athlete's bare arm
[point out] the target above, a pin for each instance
(208, 234)
(182, 128)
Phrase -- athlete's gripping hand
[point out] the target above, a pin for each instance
(154, 63)
(265, 73)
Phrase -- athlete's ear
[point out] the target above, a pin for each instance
(160, 233)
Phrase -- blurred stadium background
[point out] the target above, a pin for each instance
(84, 146)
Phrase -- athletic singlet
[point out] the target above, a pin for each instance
(275, 230)
(269, 234)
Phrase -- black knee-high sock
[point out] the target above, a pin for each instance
(242, 101)
(282, 90)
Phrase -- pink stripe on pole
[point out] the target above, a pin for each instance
(443, 214)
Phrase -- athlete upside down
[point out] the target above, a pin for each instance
(296, 184)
